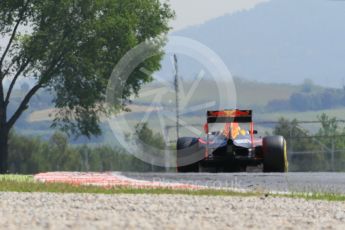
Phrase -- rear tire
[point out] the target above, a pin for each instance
(188, 151)
(275, 154)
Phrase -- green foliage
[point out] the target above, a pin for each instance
(31, 155)
(322, 151)
(147, 136)
(287, 128)
(335, 140)
(329, 126)
(72, 46)
(149, 141)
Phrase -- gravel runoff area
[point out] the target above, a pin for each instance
(91, 211)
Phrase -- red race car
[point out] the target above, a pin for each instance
(231, 146)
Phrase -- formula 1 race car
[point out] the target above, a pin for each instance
(233, 148)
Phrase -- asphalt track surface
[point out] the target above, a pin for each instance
(288, 182)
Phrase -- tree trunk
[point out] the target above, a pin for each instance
(3, 151)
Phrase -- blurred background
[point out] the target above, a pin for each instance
(287, 62)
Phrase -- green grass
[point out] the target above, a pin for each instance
(17, 178)
(15, 183)
(12, 183)
(317, 196)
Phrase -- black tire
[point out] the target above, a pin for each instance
(188, 151)
(275, 154)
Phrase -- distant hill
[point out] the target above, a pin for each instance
(249, 94)
(283, 41)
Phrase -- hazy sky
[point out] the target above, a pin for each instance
(194, 12)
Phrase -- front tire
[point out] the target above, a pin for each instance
(275, 154)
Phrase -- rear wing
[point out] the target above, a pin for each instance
(230, 116)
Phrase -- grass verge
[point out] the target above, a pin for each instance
(10, 183)
(13, 183)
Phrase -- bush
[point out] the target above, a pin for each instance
(30, 155)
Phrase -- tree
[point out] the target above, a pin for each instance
(333, 138)
(287, 128)
(70, 47)
(149, 141)
(147, 136)
(299, 140)
(329, 126)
